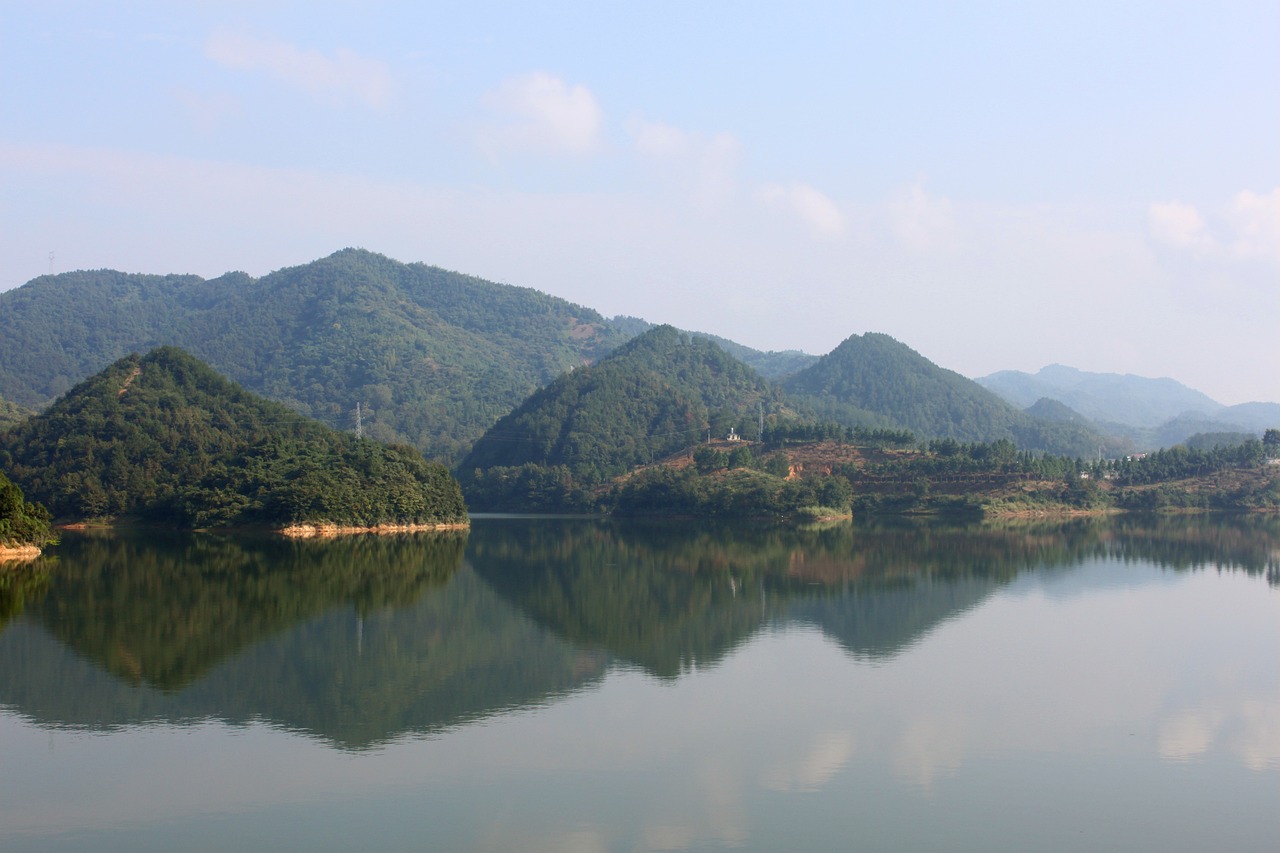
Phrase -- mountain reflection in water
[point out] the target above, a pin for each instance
(363, 641)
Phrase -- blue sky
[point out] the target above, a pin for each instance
(998, 185)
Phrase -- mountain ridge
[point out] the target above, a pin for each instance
(164, 438)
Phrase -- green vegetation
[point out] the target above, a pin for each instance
(22, 523)
(537, 402)
(12, 413)
(165, 439)
(880, 475)
(651, 397)
(773, 364)
(434, 357)
(874, 381)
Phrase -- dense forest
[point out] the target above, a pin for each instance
(537, 403)
(872, 380)
(432, 357)
(654, 395)
(12, 413)
(22, 522)
(163, 438)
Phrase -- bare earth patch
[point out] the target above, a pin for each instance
(325, 530)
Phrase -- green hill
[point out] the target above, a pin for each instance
(433, 357)
(773, 364)
(873, 380)
(164, 438)
(654, 395)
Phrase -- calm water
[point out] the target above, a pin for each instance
(578, 685)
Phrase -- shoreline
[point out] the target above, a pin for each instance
(18, 553)
(327, 530)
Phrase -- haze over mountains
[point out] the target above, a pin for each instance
(1151, 412)
(435, 358)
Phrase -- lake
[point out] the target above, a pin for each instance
(600, 685)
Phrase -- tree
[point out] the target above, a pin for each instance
(21, 521)
(1271, 442)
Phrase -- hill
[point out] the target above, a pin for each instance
(656, 394)
(164, 438)
(1150, 413)
(873, 380)
(1110, 397)
(433, 357)
(773, 364)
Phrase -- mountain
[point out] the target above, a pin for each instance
(652, 396)
(773, 364)
(432, 357)
(1124, 399)
(164, 438)
(1150, 412)
(874, 380)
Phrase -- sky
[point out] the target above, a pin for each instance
(1000, 186)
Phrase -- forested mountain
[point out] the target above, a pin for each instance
(652, 396)
(773, 364)
(433, 357)
(164, 438)
(873, 380)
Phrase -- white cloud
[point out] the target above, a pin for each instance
(1256, 221)
(341, 76)
(1248, 229)
(817, 210)
(660, 141)
(923, 222)
(543, 113)
(1181, 226)
(828, 755)
(1040, 273)
(706, 166)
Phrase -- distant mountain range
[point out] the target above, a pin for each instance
(1149, 412)
(434, 359)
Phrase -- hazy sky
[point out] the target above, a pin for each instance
(998, 185)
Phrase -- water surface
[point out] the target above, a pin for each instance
(558, 684)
